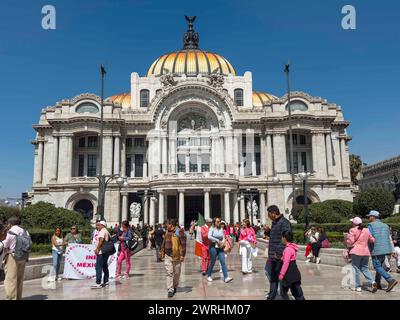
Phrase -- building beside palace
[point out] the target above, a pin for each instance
(194, 134)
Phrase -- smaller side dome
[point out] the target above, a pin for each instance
(260, 99)
(123, 99)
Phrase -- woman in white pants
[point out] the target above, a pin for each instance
(247, 241)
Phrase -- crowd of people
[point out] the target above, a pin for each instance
(217, 238)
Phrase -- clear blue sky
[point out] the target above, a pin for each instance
(358, 69)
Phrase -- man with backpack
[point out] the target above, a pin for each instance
(17, 244)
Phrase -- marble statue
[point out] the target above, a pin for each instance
(135, 209)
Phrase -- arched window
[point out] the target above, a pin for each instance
(144, 98)
(87, 107)
(297, 106)
(238, 95)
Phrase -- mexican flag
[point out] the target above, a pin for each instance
(198, 249)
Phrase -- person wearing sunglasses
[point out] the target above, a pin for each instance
(74, 236)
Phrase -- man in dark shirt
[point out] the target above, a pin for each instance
(275, 248)
(158, 239)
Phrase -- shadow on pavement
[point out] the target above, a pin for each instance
(36, 297)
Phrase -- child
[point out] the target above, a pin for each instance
(290, 276)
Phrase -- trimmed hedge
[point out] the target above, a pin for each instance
(329, 211)
(341, 227)
(374, 199)
(46, 216)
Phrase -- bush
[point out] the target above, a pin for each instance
(333, 237)
(46, 216)
(41, 236)
(374, 199)
(329, 211)
(41, 249)
(8, 212)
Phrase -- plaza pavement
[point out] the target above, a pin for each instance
(147, 281)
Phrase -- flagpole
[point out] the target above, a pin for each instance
(287, 71)
(100, 204)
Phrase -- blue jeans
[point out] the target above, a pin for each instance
(56, 261)
(102, 267)
(214, 253)
(377, 261)
(360, 264)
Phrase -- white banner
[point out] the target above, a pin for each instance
(80, 262)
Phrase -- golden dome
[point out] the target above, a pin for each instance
(262, 98)
(123, 98)
(191, 62)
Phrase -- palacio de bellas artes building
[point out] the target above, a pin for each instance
(194, 137)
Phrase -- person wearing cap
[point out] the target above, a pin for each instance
(382, 247)
(205, 258)
(101, 259)
(358, 240)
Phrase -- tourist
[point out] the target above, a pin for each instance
(237, 231)
(289, 275)
(95, 236)
(14, 268)
(247, 241)
(217, 243)
(396, 243)
(173, 250)
(312, 236)
(382, 247)
(150, 238)
(101, 258)
(275, 248)
(158, 239)
(57, 251)
(73, 236)
(3, 234)
(144, 236)
(124, 251)
(359, 239)
(205, 258)
(228, 244)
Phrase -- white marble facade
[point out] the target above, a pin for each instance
(195, 139)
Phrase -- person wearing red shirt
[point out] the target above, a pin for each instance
(205, 258)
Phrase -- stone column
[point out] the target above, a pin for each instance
(39, 163)
(206, 203)
(107, 155)
(152, 211)
(242, 209)
(62, 159)
(132, 168)
(262, 206)
(122, 172)
(161, 207)
(150, 157)
(322, 155)
(314, 142)
(125, 214)
(181, 207)
(235, 154)
(229, 154)
(222, 153)
(270, 158)
(70, 156)
(187, 162)
(172, 154)
(146, 208)
(329, 161)
(164, 156)
(157, 156)
(54, 165)
(263, 152)
(344, 160)
(235, 207)
(117, 155)
(227, 206)
(280, 156)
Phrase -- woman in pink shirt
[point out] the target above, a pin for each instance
(358, 239)
(247, 240)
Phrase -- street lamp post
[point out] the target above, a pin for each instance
(304, 177)
(122, 183)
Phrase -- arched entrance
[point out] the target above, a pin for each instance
(85, 207)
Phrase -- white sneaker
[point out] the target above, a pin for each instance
(59, 279)
(308, 260)
(318, 260)
(96, 286)
(51, 279)
(209, 279)
(220, 270)
(358, 289)
(229, 279)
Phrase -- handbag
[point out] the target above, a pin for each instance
(325, 244)
(108, 248)
(132, 244)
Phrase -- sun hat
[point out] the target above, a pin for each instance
(103, 223)
(357, 221)
(208, 220)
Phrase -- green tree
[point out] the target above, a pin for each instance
(329, 211)
(7, 212)
(45, 215)
(374, 199)
(355, 167)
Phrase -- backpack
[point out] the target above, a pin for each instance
(23, 246)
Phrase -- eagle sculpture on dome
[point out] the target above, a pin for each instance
(191, 37)
(190, 21)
